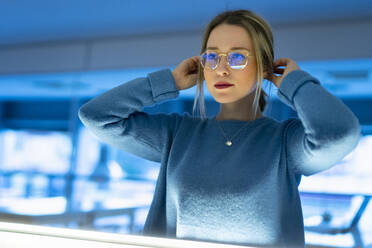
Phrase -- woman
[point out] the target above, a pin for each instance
(232, 178)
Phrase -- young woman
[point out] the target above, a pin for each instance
(232, 178)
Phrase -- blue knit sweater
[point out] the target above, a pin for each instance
(243, 194)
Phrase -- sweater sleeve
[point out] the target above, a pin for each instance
(116, 117)
(327, 130)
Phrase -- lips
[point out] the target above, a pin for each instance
(221, 85)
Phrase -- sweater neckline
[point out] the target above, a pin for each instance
(261, 119)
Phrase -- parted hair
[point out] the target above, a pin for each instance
(263, 44)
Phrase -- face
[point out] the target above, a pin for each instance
(223, 39)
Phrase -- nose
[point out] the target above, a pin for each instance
(223, 68)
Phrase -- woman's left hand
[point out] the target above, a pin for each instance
(289, 65)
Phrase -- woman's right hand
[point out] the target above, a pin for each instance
(185, 74)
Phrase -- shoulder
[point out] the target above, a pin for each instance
(271, 122)
(275, 128)
(190, 119)
(288, 124)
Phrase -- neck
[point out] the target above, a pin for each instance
(239, 110)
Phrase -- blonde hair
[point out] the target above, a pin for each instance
(262, 38)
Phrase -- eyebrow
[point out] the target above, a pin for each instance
(233, 48)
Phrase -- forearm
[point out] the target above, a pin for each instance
(125, 99)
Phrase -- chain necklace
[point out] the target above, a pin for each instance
(229, 141)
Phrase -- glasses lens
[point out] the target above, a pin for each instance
(237, 60)
(209, 60)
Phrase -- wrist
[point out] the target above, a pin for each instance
(175, 77)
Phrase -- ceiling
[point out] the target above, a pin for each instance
(24, 22)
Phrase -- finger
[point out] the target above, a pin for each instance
(193, 67)
(278, 71)
(276, 79)
(191, 62)
(281, 61)
(195, 58)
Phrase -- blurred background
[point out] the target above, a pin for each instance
(56, 55)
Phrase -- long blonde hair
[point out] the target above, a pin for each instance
(263, 43)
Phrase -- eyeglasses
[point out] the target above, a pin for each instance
(237, 60)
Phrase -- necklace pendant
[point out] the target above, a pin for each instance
(228, 143)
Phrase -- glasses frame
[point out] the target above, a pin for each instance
(219, 55)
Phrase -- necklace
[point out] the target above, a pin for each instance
(229, 141)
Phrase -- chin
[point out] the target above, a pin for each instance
(224, 99)
(231, 99)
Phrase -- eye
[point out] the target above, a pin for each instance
(211, 56)
(236, 58)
